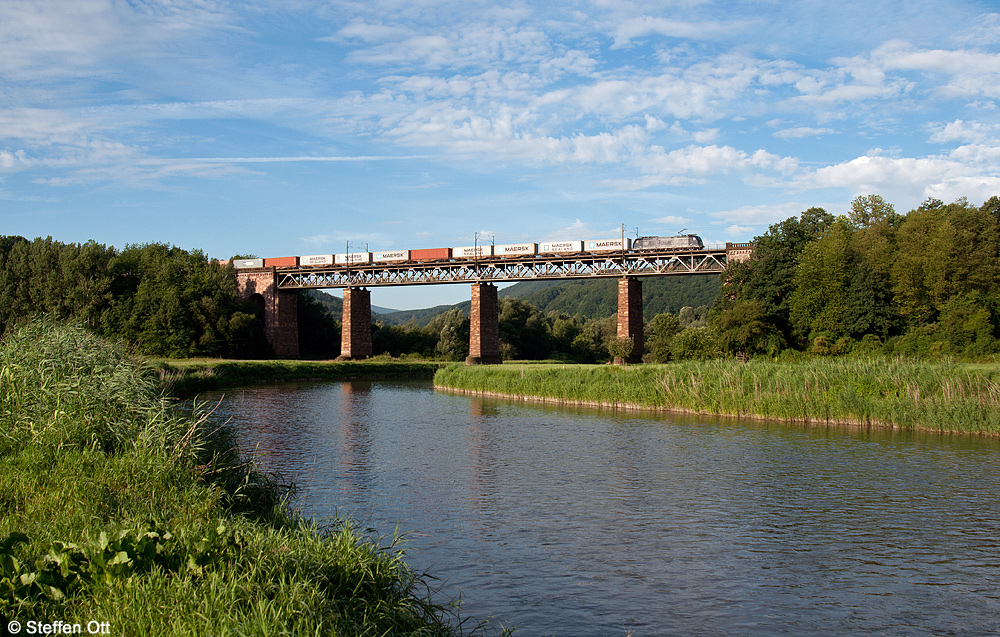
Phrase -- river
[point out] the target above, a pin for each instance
(578, 521)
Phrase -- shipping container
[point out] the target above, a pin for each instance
(352, 258)
(280, 261)
(316, 259)
(560, 247)
(430, 254)
(516, 250)
(607, 245)
(248, 263)
(471, 252)
(392, 255)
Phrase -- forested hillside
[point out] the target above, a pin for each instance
(924, 284)
(598, 298)
(588, 299)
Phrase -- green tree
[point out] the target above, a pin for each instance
(694, 343)
(743, 329)
(660, 332)
(524, 331)
(870, 210)
(769, 276)
(451, 330)
(821, 283)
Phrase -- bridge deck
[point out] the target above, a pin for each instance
(496, 269)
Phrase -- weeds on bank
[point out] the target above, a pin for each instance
(116, 508)
(941, 396)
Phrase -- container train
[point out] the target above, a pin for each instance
(679, 243)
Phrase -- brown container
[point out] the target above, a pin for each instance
(431, 254)
(281, 261)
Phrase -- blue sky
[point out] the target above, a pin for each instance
(283, 127)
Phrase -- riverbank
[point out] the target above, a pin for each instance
(119, 512)
(946, 397)
(188, 377)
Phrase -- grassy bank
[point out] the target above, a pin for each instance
(187, 377)
(114, 508)
(889, 393)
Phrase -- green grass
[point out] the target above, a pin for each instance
(188, 377)
(871, 392)
(115, 508)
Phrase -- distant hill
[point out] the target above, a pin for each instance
(421, 317)
(598, 298)
(594, 298)
(335, 305)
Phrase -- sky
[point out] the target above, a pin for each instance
(299, 127)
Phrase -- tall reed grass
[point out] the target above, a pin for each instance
(115, 508)
(941, 396)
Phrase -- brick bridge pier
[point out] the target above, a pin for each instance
(277, 308)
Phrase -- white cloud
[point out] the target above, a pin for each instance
(802, 131)
(698, 163)
(638, 27)
(739, 231)
(910, 180)
(672, 220)
(962, 131)
(763, 214)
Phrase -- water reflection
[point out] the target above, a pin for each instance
(577, 521)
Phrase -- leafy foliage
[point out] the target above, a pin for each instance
(161, 299)
(926, 283)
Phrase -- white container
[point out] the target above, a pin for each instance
(248, 263)
(471, 252)
(316, 259)
(352, 257)
(607, 245)
(516, 250)
(560, 247)
(392, 255)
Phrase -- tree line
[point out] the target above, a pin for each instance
(159, 299)
(926, 283)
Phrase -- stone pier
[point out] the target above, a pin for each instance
(356, 325)
(630, 317)
(484, 329)
(280, 309)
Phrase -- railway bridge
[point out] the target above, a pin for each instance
(276, 282)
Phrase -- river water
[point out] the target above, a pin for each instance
(575, 521)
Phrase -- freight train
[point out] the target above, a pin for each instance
(679, 243)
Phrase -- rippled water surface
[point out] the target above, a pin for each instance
(587, 522)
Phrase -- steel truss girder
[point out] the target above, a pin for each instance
(535, 268)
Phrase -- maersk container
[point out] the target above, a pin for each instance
(281, 261)
(316, 259)
(248, 263)
(516, 250)
(430, 254)
(472, 252)
(560, 247)
(392, 255)
(606, 245)
(352, 258)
